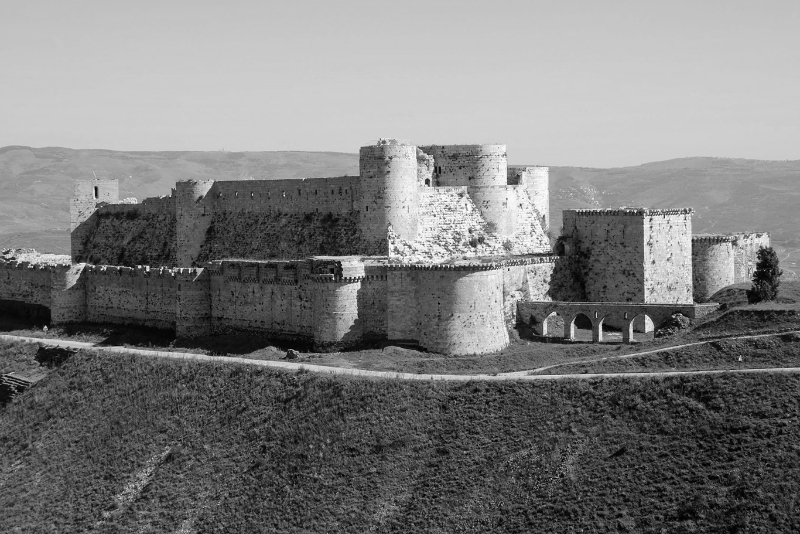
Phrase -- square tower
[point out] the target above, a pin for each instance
(86, 198)
(633, 254)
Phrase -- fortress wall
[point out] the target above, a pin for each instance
(373, 307)
(125, 295)
(469, 165)
(87, 194)
(542, 278)
(536, 181)
(745, 253)
(194, 207)
(402, 315)
(26, 283)
(336, 313)
(712, 265)
(129, 235)
(277, 235)
(310, 195)
(498, 206)
(668, 256)
(68, 294)
(270, 298)
(451, 225)
(609, 248)
(193, 313)
(425, 169)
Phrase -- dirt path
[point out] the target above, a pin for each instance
(516, 375)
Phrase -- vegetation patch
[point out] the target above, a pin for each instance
(254, 450)
(262, 236)
(759, 353)
(123, 239)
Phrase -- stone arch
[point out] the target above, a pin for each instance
(611, 326)
(552, 325)
(579, 321)
(639, 323)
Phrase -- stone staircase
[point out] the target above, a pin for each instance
(12, 384)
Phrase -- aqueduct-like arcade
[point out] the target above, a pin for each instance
(622, 314)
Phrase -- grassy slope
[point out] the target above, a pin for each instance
(728, 194)
(261, 451)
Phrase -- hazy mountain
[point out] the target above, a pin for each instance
(727, 194)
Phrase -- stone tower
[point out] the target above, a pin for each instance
(389, 190)
(194, 207)
(86, 197)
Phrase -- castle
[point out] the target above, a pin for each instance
(443, 246)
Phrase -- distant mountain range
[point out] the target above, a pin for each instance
(727, 194)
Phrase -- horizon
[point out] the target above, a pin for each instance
(515, 164)
(570, 84)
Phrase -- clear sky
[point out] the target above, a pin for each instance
(589, 83)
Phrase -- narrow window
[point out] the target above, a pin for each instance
(236, 194)
(299, 192)
(367, 208)
(427, 181)
(96, 191)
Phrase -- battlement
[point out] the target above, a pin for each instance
(139, 271)
(709, 238)
(638, 212)
(474, 266)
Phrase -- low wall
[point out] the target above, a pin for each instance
(124, 295)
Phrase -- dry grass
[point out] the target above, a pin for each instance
(256, 450)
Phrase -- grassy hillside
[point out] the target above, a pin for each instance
(727, 194)
(119, 444)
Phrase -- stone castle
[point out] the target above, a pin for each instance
(445, 247)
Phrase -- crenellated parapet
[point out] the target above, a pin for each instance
(632, 212)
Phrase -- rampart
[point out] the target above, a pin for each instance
(437, 246)
(129, 234)
(389, 209)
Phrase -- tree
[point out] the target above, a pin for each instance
(766, 277)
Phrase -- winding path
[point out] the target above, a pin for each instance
(515, 375)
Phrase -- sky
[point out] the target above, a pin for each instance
(585, 83)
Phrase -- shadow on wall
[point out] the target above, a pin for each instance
(567, 282)
(126, 236)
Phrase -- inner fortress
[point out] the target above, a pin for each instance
(443, 246)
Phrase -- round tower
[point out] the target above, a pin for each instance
(193, 210)
(389, 191)
(712, 265)
(538, 186)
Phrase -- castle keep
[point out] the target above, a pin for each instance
(442, 246)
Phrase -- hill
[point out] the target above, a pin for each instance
(727, 194)
(124, 444)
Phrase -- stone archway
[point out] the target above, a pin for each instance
(578, 326)
(637, 328)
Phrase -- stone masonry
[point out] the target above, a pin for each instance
(442, 246)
